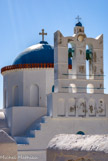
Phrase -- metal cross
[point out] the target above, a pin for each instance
(78, 18)
(42, 33)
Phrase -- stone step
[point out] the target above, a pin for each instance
(21, 140)
(33, 133)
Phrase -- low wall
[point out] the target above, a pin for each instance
(20, 118)
(78, 148)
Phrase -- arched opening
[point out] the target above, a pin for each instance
(80, 133)
(15, 94)
(34, 95)
(71, 52)
(89, 66)
(72, 88)
(90, 88)
(71, 60)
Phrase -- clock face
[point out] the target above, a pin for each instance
(80, 38)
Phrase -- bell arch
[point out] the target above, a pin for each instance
(71, 52)
(89, 61)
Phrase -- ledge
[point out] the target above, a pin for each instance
(36, 65)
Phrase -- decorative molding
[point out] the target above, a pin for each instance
(23, 66)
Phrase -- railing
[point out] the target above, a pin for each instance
(35, 65)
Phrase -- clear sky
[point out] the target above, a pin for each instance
(22, 20)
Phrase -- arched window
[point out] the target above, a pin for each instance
(34, 95)
(90, 88)
(80, 133)
(15, 96)
(72, 88)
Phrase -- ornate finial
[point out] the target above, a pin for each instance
(42, 33)
(78, 18)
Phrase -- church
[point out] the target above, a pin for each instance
(55, 90)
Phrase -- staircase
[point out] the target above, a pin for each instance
(31, 131)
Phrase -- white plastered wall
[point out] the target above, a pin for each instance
(24, 79)
(77, 105)
(22, 116)
(84, 104)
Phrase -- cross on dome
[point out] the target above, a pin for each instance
(42, 33)
(78, 18)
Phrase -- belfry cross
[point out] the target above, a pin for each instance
(42, 33)
(78, 18)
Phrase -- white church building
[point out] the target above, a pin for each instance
(49, 91)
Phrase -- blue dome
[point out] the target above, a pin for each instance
(79, 24)
(39, 53)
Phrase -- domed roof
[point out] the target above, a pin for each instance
(39, 53)
(79, 24)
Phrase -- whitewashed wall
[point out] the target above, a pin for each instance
(20, 118)
(77, 105)
(17, 86)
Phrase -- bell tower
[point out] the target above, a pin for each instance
(78, 93)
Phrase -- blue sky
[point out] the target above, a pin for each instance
(22, 20)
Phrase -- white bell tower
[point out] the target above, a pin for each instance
(78, 93)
